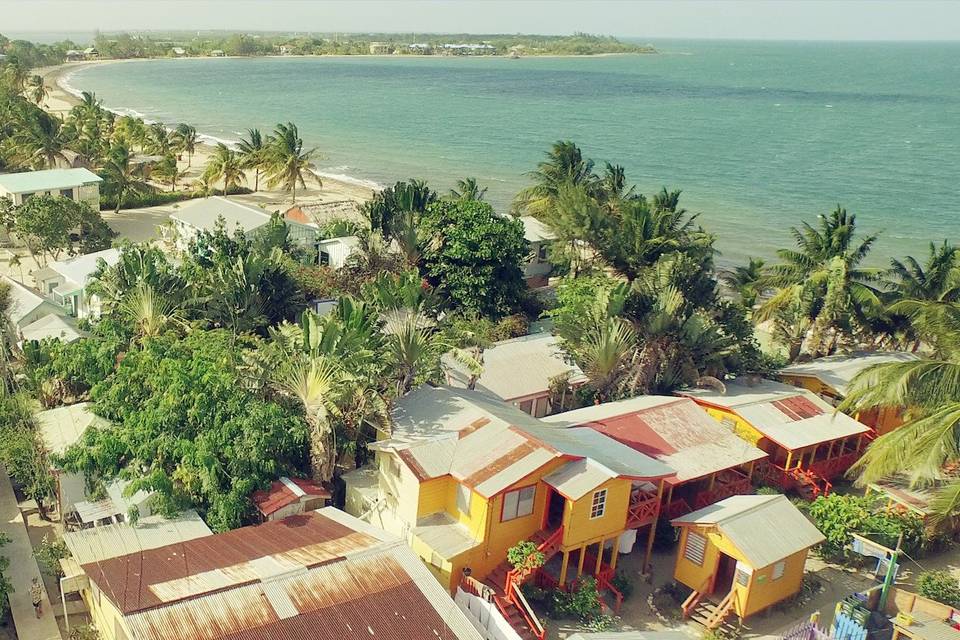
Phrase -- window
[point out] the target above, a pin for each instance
(695, 548)
(778, 569)
(67, 193)
(599, 504)
(463, 499)
(518, 503)
(527, 407)
(324, 259)
(742, 577)
(542, 252)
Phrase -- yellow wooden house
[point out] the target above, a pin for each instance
(744, 554)
(464, 477)
(830, 377)
(809, 443)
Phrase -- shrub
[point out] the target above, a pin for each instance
(622, 583)
(582, 603)
(838, 516)
(157, 198)
(512, 326)
(524, 555)
(940, 586)
(49, 553)
(84, 632)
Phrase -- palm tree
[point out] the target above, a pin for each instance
(468, 189)
(158, 140)
(185, 139)
(604, 353)
(150, 312)
(39, 143)
(253, 151)
(224, 164)
(823, 278)
(168, 171)
(926, 444)
(16, 73)
(121, 178)
(38, 90)
(564, 164)
(287, 163)
(937, 280)
(746, 281)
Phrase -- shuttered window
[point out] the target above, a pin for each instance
(695, 548)
(742, 577)
(778, 569)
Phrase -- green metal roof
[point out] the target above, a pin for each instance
(49, 180)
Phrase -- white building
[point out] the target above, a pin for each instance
(27, 305)
(333, 252)
(65, 282)
(204, 214)
(538, 267)
(77, 184)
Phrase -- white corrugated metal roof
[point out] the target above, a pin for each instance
(796, 434)
(79, 269)
(47, 180)
(766, 529)
(838, 370)
(64, 426)
(536, 231)
(578, 477)
(608, 410)
(740, 393)
(443, 534)
(52, 326)
(24, 301)
(203, 214)
(115, 540)
(523, 367)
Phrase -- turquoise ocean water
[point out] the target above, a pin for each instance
(758, 135)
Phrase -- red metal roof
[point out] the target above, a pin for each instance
(797, 408)
(279, 495)
(296, 214)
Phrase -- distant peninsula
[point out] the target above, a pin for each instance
(156, 44)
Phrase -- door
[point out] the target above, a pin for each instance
(723, 582)
(555, 510)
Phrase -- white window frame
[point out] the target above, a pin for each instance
(518, 503)
(598, 504)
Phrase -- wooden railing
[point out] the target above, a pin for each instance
(644, 509)
(806, 481)
(677, 508)
(830, 469)
(604, 581)
(549, 548)
(723, 610)
(694, 599)
(517, 599)
(728, 483)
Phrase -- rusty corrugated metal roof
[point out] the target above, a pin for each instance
(315, 576)
(281, 494)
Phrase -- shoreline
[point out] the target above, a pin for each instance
(64, 96)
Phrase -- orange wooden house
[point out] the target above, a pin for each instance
(830, 377)
(710, 463)
(809, 443)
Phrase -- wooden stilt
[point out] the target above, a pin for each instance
(563, 567)
(615, 553)
(599, 557)
(583, 553)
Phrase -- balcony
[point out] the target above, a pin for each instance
(643, 510)
(727, 483)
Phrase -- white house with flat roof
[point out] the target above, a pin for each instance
(65, 281)
(81, 185)
(204, 214)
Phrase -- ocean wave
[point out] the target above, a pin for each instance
(348, 179)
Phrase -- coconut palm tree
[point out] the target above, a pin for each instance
(16, 73)
(825, 278)
(185, 140)
(467, 189)
(224, 164)
(287, 163)
(40, 142)
(158, 140)
(926, 444)
(168, 171)
(38, 90)
(253, 154)
(937, 279)
(746, 281)
(121, 177)
(564, 164)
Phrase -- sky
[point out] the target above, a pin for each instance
(654, 19)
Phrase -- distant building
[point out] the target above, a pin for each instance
(179, 51)
(72, 55)
(65, 281)
(469, 49)
(288, 497)
(380, 48)
(81, 185)
(537, 269)
(204, 214)
(520, 372)
(420, 49)
(312, 576)
(217, 53)
(285, 50)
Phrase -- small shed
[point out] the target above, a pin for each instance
(289, 496)
(746, 553)
(333, 252)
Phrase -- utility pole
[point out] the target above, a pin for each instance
(891, 573)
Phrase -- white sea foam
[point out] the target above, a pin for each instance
(348, 179)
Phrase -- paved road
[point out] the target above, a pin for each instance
(23, 568)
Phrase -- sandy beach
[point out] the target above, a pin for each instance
(60, 101)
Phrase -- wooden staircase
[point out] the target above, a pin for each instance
(515, 617)
(714, 616)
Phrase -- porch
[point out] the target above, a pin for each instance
(689, 496)
(812, 470)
